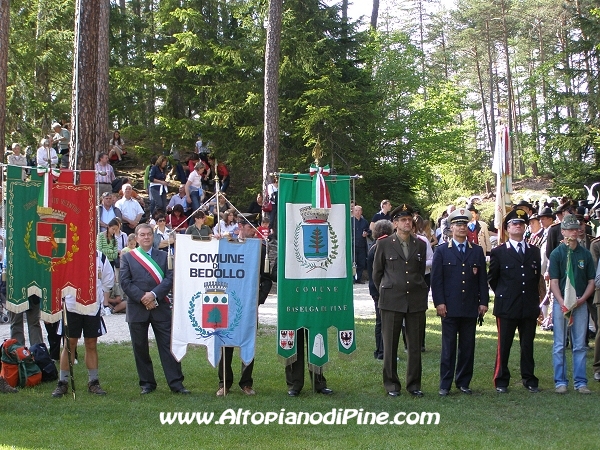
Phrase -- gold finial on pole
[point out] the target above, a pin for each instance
(317, 152)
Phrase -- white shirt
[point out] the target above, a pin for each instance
(105, 280)
(42, 156)
(129, 208)
(195, 181)
(221, 228)
(428, 253)
(516, 243)
(106, 215)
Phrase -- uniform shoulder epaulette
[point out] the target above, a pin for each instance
(595, 239)
(554, 224)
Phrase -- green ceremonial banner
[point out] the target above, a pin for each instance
(314, 273)
(24, 277)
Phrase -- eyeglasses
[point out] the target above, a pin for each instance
(161, 220)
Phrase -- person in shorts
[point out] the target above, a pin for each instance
(91, 325)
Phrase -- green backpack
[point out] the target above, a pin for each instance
(18, 366)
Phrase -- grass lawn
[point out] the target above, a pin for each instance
(124, 419)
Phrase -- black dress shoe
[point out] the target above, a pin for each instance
(444, 392)
(416, 393)
(502, 390)
(533, 389)
(465, 390)
(147, 390)
(182, 391)
(325, 391)
(293, 393)
(394, 393)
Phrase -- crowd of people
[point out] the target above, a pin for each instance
(133, 237)
(542, 268)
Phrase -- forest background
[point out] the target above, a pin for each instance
(410, 98)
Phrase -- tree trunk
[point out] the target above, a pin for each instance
(41, 89)
(483, 104)
(102, 94)
(85, 86)
(4, 28)
(491, 75)
(374, 14)
(272, 55)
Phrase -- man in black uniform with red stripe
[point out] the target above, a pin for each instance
(514, 276)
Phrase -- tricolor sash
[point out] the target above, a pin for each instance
(149, 264)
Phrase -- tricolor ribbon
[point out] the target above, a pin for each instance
(44, 200)
(320, 193)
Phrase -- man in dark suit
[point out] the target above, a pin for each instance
(399, 275)
(514, 276)
(460, 294)
(147, 279)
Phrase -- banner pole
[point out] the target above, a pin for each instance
(224, 372)
(67, 342)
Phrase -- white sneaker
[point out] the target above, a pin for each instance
(107, 311)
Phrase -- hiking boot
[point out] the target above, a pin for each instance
(94, 388)
(248, 390)
(61, 389)
(221, 392)
(6, 388)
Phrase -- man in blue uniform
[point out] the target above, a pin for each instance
(460, 294)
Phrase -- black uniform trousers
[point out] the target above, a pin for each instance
(464, 328)
(143, 362)
(506, 335)
(245, 377)
(294, 373)
(391, 326)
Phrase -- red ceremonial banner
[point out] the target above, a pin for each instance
(74, 273)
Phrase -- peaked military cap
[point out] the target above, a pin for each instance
(460, 215)
(402, 211)
(516, 215)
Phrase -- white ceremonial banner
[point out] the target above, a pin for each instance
(215, 296)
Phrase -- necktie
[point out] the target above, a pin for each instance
(405, 249)
(520, 251)
(461, 248)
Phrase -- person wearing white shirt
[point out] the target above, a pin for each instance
(131, 211)
(46, 155)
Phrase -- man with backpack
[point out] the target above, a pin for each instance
(92, 325)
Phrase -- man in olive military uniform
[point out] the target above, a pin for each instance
(399, 275)
(514, 276)
(460, 294)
